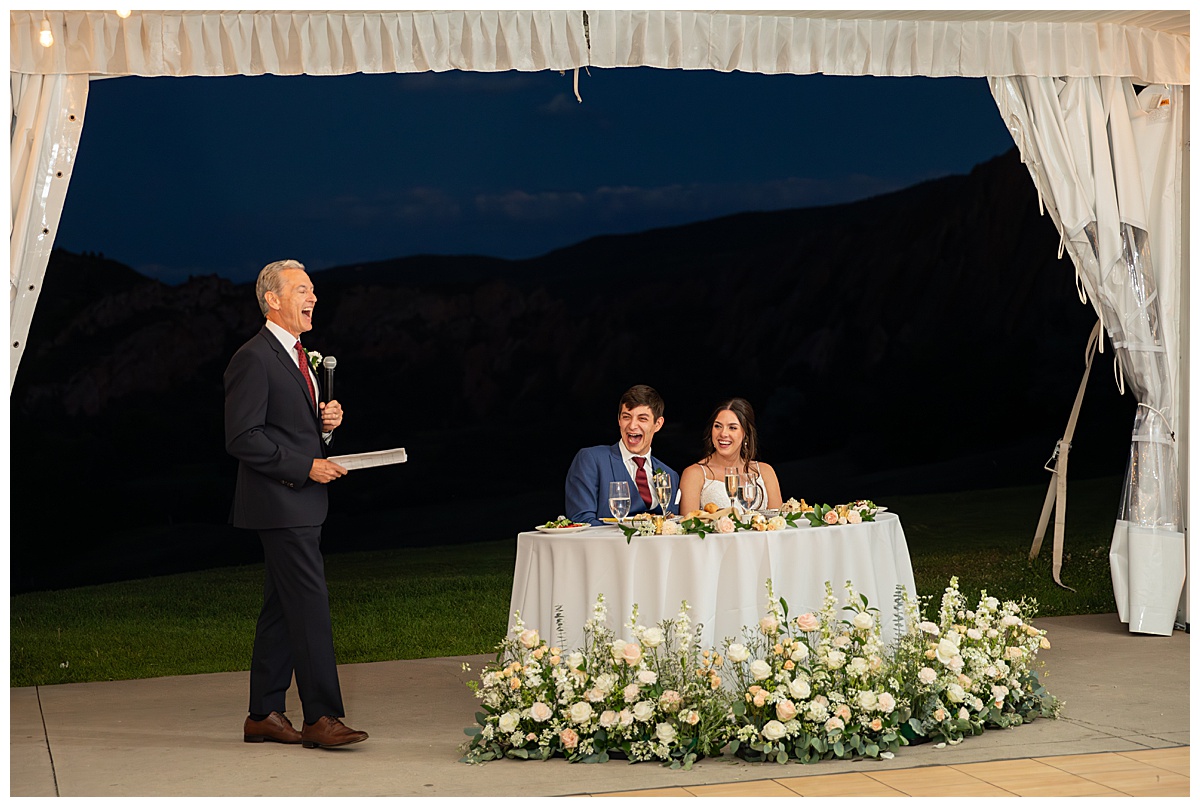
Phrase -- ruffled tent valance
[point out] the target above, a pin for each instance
(782, 43)
(224, 43)
(215, 43)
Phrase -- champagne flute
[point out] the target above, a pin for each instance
(618, 500)
(732, 483)
(662, 486)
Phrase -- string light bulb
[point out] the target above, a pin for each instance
(123, 13)
(46, 37)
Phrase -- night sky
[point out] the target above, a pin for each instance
(201, 176)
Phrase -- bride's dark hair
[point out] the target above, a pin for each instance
(745, 415)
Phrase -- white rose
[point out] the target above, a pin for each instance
(618, 650)
(608, 719)
(835, 659)
(955, 693)
(817, 711)
(799, 652)
(738, 652)
(671, 528)
(886, 702)
(953, 636)
(1010, 621)
(974, 634)
(593, 695)
(863, 620)
(647, 677)
(858, 666)
(841, 640)
(575, 661)
(760, 669)
(774, 730)
(963, 714)
(867, 700)
(625, 718)
(540, 712)
(631, 693)
(992, 603)
(643, 710)
(605, 682)
(955, 664)
(529, 638)
(652, 637)
(926, 675)
(665, 732)
(929, 627)
(799, 689)
(946, 650)
(768, 625)
(580, 712)
(509, 721)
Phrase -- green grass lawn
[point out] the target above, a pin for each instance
(445, 601)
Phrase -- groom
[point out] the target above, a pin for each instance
(639, 417)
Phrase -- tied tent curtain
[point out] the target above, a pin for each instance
(47, 119)
(1105, 160)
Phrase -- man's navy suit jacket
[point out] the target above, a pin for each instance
(587, 483)
(273, 429)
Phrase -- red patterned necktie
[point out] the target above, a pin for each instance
(303, 357)
(642, 485)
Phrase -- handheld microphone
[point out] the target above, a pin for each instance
(330, 364)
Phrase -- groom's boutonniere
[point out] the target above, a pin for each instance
(314, 359)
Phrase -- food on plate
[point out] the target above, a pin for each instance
(563, 523)
(711, 507)
(793, 506)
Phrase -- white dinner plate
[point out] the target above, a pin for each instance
(561, 530)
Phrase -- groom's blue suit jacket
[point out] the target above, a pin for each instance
(587, 483)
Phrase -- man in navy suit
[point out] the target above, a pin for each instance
(639, 417)
(278, 430)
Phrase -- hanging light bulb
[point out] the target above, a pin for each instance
(123, 13)
(46, 37)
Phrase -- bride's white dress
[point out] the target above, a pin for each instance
(714, 491)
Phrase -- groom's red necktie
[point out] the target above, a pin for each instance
(642, 485)
(303, 357)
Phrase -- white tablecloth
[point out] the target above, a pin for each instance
(722, 576)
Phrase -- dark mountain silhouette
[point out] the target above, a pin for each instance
(933, 329)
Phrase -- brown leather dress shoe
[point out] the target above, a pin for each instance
(329, 732)
(274, 727)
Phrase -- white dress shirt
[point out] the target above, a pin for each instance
(631, 466)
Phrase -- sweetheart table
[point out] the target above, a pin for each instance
(722, 576)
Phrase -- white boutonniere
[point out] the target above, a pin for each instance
(314, 359)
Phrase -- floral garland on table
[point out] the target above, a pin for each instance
(820, 686)
(723, 521)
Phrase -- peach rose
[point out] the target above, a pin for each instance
(569, 738)
(724, 524)
(785, 710)
(831, 517)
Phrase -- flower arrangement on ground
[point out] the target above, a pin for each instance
(657, 696)
(806, 688)
(815, 687)
(973, 668)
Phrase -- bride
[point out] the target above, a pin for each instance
(730, 441)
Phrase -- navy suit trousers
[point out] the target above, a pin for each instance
(294, 630)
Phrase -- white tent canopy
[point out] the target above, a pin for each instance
(1110, 168)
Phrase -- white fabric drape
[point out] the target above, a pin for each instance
(1106, 163)
(223, 43)
(47, 119)
(782, 43)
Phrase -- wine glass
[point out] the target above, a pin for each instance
(662, 486)
(618, 500)
(750, 492)
(732, 483)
